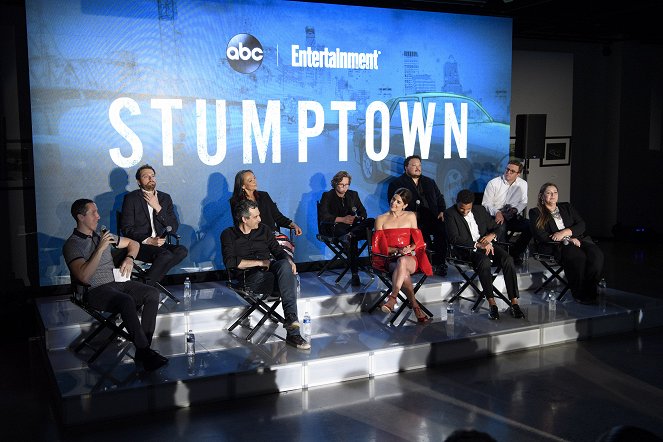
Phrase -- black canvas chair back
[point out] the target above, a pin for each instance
(265, 304)
(107, 322)
(459, 258)
(418, 280)
(545, 254)
(339, 264)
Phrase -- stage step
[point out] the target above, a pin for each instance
(347, 344)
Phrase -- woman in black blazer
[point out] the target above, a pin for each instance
(246, 187)
(581, 259)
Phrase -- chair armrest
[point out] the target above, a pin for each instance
(541, 256)
(170, 236)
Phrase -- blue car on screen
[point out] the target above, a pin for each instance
(487, 145)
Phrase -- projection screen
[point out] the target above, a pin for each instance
(293, 91)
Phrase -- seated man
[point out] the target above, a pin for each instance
(342, 215)
(470, 226)
(90, 262)
(505, 198)
(429, 205)
(249, 247)
(146, 218)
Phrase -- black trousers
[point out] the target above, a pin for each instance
(482, 264)
(516, 224)
(358, 233)
(583, 267)
(162, 259)
(125, 298)
(435, 236)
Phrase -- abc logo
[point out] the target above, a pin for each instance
(244, 53)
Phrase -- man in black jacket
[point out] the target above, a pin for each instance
(147, 217)
(342, 215)
(471, 226)
(428, 203)
(251, 248)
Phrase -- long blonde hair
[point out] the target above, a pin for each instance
(544, 214)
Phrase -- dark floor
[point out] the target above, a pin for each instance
(574, 391)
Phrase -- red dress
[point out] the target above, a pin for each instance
(383, 239)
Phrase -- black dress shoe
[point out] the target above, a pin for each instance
(516, 312)
(586, 301)
(494, 313)
(441, 270)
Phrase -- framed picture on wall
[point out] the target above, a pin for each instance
(557, 152)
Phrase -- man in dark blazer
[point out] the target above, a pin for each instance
(342, 215)
(471, 226)
(428, 202)
(146, 217)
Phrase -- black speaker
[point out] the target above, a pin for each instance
(530, 135)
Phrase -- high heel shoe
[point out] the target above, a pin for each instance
(421, 316)
(388, 306)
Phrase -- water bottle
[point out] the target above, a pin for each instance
(306, 327)
(552, 301)
(299, 286)
(190, 343)
(187, 288)
(526, 259)
(450, 313)
(191, 365)
(603, 285)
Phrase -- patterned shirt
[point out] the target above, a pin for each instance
(81, 246)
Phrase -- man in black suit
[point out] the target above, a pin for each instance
(428, 203)
(471, 226)
(342, 215)
(146, 218)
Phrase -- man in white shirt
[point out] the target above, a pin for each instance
(505, 199)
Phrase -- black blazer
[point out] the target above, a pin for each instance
(329, 210)
(458, 231)
(431, 193)
(269, 211)
(135, 218)
(570, 216)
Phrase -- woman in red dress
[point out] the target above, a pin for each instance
(397, 235)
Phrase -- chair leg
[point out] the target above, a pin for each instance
(167, 292)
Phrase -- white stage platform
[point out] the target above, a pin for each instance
(347, 342)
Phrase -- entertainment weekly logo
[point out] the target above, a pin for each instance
(245, 55)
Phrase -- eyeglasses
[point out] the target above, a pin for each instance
(511, 170)
(343, 185)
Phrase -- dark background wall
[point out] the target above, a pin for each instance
(616, 168)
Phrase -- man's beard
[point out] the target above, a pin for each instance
(149, 187)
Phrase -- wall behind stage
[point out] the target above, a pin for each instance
(203, 89)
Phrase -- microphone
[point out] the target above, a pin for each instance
(354, 211)
(103, 232)
(166, 232)
(417, 202)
